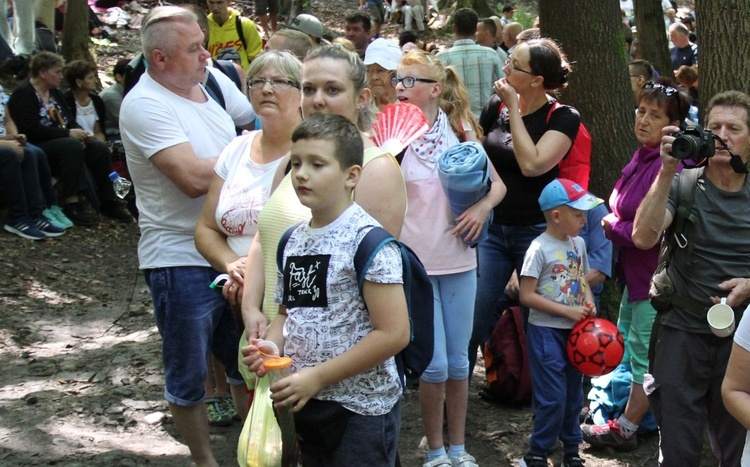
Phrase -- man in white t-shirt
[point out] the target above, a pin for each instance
(173, 132)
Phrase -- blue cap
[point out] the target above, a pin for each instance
(563, 191)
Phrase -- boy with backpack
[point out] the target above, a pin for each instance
(553, 286)
(342, 341)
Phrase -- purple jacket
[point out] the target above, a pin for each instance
(634, 266)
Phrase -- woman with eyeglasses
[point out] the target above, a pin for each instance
(525, 142)
(244, 172)
(334, 80)
(660, 104)
(40, 112)
(240, 187)
(526, 147)
(432, 232)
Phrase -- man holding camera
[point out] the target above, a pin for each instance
(710, 262)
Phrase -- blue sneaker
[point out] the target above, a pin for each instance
(57, 217)
(47, 228)
(25, 229)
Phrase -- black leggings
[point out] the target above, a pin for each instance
(68, 158)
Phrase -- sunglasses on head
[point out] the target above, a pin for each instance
(668, 91)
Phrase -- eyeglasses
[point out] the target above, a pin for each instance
(409, 81)
(512, 67)
(668, 91)
(276, 84)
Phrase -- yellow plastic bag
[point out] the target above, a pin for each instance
(250, 378)
(260, 440)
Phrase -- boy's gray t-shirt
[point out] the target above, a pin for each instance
(559, 266)
(721, 250)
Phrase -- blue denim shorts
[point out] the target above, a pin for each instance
(193, 320)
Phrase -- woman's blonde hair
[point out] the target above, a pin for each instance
(283, 61)
(454, 99)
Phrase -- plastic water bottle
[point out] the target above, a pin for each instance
(122, 185)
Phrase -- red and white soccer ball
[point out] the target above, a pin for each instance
(595, 346)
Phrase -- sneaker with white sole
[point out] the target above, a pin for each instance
(533, 461)
(47, 228)
(464, 459)
(25, 229)
(442, 461)
(608, 435)
(60, 219)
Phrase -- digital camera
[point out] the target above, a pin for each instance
(693, 143)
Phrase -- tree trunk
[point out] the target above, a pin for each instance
(599, 87)
(724, 50)
(75, 39)
(45, 12)
(652, 35)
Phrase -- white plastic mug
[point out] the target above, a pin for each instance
(721, 319)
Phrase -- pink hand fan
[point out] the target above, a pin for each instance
(398, 126)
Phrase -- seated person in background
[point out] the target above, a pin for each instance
(10, 138)
(112, 98)
(39, 110)
(19, 190)
(86, 106)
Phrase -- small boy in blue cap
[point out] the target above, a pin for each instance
(553, 286)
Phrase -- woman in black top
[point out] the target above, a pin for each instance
(525, 143)
(39, 110)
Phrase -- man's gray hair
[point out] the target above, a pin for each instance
(155, 34)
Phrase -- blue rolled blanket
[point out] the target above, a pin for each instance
(465, 175)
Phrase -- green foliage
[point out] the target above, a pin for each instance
(523, 15)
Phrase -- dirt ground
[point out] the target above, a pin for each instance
(81, 381)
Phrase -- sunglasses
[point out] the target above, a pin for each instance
(668, 91)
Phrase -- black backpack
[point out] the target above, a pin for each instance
(137, 67)
(417, 355)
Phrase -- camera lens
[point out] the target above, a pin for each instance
(686, 147)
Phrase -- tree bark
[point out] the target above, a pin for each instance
(724, 50)
(652, 35)
(599, 86)
(75, 39)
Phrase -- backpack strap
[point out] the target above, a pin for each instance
(555, 105)
(214, 90)
(684, 216)
(679, 234)
(372, 242)
(282, 244)
(227, 67)
(240, 32)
